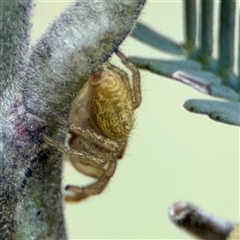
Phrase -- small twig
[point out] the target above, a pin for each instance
(199, 223)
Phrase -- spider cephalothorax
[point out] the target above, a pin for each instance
(100, 121)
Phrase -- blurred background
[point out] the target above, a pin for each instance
(172, 154)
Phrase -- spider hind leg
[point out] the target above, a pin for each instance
(80, 193)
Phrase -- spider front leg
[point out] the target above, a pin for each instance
(90, 135)
(82, 157)
(137, 96)
(81, 193)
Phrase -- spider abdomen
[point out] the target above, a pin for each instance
(111, 108)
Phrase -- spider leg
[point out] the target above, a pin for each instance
(81, 193)
(77, 143)
(91, 135)
(82, 156)
(137, 97)
(87, 170)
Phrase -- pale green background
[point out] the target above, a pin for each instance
(172, 154)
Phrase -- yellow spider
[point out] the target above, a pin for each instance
(100, 122)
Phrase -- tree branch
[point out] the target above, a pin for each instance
(72, 48)
(15, 25)
(80, 40)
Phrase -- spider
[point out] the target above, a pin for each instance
(99, 124)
